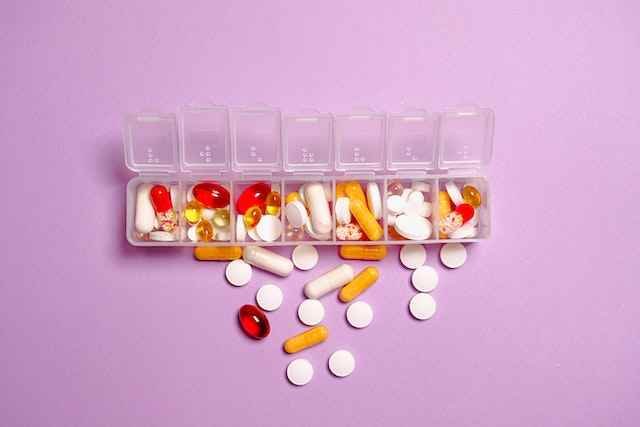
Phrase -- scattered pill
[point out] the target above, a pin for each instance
(329, 281)
(269, 228)
(254, 322)
(238, 272)
(424, 278)
(359, 314)
(454, 193)
(299, 372)
(311, 312)
(269, 297)
(413, 227)
(363, 252)
(413, 256)
(422, 306)
(241, 231)
(342, 363)
(374, 200)
(296, 214)
(267, 260)
(343, 214)
(162, 236)
(213, 253)
(305, 257)
(363, 281)
(306, 339)
(453, 255)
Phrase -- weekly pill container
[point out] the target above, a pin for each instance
(240, 146)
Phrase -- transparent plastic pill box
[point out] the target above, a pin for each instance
(237, 147)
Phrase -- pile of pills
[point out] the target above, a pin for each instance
(358, 215)
(308, 212)
(206, 212)
(458, 211)
(155, 217)
(258, 213)
(409, 210)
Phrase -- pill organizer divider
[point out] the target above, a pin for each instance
(240, 146)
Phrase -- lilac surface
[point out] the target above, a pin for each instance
(540, 327)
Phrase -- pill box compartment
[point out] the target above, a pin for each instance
(206, 210)
(240, 146)
(415, 197)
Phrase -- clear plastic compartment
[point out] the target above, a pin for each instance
(239, 147)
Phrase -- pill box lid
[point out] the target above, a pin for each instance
(256, 139)
(151, 142)
(307, 141)
(412, 140)
(204, 138)
(465, 138)
(360, 141)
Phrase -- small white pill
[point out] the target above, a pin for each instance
(454, 193)
(299, 372)
(312, 233)
(374, 200)
(305, 257)
(267, 260)
(341, 208)
(453, 255)
(424, 278)
(296, 214)
(269, 297)
(396, 204)
(342, 363)
(238, 272)
(413, 227)
(207, 213)
(420, 186)
(422, 306)
(359, 314)
(241, 230)
(162, 236)
(413, 256)
(330, 281)
(467, 231)
(192, 233)
(253, 233)
(269, 228)
(311, 312)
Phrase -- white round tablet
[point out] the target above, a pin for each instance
(342, 363)
(359, 314)
(422, 306)
(413, 227)
(238, 272)
(241, 230)
(299, 371)
(374, 200)
(453, 255)
(413, 256)
(192, 233)
(304, 257)
(296, 214)
(269, 228)
(396, 204)
(311, 312)
(424, 278)
(269, 297)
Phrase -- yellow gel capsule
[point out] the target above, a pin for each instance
(205, 231)
(252, 216)
(306, 339)
(444, 204)
(340, 189)
(273, 202)
(365, 219)
(193, 212)
(212, 253)
(292, 197)
(221, 218)
(471, 195)
(363, 281)
(363, 252)
(354, 191)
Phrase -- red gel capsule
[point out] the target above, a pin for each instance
(253, 195)
(466, 211)
(161, 198)
(211, 195)
(253, 322)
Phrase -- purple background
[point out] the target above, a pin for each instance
(540, 327)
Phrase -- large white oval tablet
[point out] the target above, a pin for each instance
(424, 278)
(342, 363)
(422, 306)
(311, 312)
(454, 193)
(296, 214)
(413, 256)
(413, 227)
(299, 372)
(453, 255)
(238, 272)
(396, 204)
(304, 257)
(374, 199)
(343, 214)
(359, 314)
(269, 228)
(269, 297)
(241, 230)
(162, 236)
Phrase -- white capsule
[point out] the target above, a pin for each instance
(267, 260)
(374, 200)
(145, 214)
(329, 281)
(318, 207)
(341, 208)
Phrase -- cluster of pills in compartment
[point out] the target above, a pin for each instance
(258, 213)
(308, 211)
(458, 211)
(359, 314)
(207, 212)
(357, 214)
(409, 210)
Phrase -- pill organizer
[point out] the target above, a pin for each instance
(240, 146)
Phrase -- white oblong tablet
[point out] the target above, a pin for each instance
(311, 312)
(453, 255)
(413, 227)
(299, 372)
(342, 363)
(269, 297)
(374, 199)
(296, 214)
(420, 186)
(454, 193)
(238, 272)
(162, 236)
(304, 257)
(424, 278)
(413, 256)
(422, 306)
(396, 204)
(341, 208)
(241, 230)
(192, 233)
(269, 228)
(467, 231)
(359, 314)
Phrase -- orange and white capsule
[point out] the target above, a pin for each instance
(212, 253)
(363, 252)
(363, 281)
(306, 339)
